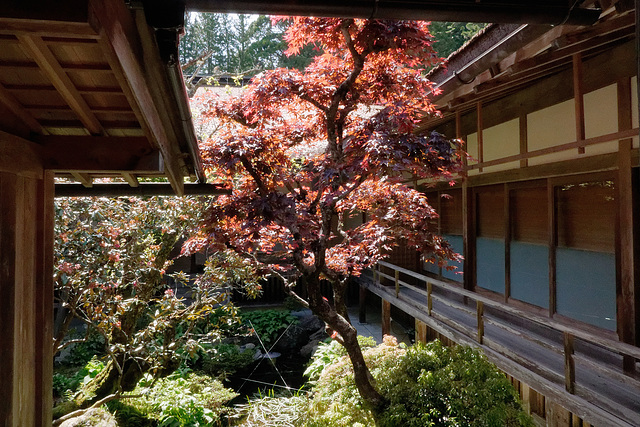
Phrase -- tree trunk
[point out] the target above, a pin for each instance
(362, 375)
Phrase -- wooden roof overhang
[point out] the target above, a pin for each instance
(86, 91)
(506, 58)
(513, 11)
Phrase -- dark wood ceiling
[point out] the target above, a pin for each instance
(86, 87)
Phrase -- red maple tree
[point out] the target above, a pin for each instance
(304, 151)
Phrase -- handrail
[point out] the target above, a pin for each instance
(609, 344)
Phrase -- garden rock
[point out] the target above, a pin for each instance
(97, 417)
(298, 335)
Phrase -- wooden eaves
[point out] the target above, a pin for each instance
(88, 89)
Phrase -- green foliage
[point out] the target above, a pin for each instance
(450, 36)
(189, 400)
(427, 385)
(274, 411)
(65, 384)
(329, 353)
(444, 386)
(82, 352)
(225, 359)
(268, 324)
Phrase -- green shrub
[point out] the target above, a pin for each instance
(189, 400)
(268, 324)
(426, 385)
(329, 353)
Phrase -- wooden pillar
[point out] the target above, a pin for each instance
(362, 305)
(386, 317)
(26, 285)
(421, 331)
(627, 282)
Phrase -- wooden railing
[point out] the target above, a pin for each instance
(386, 274)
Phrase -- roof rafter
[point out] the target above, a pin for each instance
(18, 109)
(115, 24)
(58, 77)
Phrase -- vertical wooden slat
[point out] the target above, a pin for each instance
(480, 131)
(507, 243)
(553, 242)
(524, 140)
(468, 235)
(525, 396)
(578, 92)
(480, 320)
(429, 298)
(8, 220)
(569, 364)
(386, 318)
(626, 295)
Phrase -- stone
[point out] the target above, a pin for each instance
(97, 417)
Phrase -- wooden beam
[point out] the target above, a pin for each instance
(559, 148)
(18, 109)
(578, 92)
(131, 179)
(146, 189)
(83, 178)
(99, 154)
(58, 77)
(121, 39)
(19, 156)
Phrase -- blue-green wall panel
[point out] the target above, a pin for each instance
(530, 273)
(490, 264)
(586, 286)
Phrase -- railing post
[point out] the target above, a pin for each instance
(397, 276)
(429, 299)
(480, 320)
(375, 273)
(569, 364)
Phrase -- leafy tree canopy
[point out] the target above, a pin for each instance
(305, 151)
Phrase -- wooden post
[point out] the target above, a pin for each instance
(479, 130)
(429, 299)
(480, 320)
(507, 243)
(578, 98)
(468, 235)
(421, 331)
(569, 364)
(386, 317)
(553, 243)
(626, 297)
(26, 286)
(524, 140)
(362, 305)
(397, 283)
